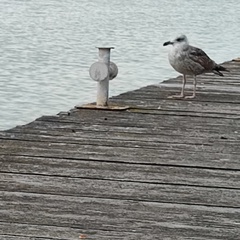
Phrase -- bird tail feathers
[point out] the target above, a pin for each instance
(219, 68)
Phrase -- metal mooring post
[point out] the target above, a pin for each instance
(103, 71)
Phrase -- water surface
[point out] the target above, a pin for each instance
(47, 47)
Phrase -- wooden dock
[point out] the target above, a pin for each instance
(162, 169)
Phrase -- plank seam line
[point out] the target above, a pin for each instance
(104, 138)
(122, 198)
(124, 162)
(32, 236)
(88, 231)
(36, 147)
(122, 180)
(213, 140)
(159, 112)
(186, 115)
(118, 132)
(76, 142)
(140, 98)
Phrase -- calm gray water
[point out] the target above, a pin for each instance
(47, 47)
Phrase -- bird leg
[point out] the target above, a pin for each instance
(194, 88)
(181, 95)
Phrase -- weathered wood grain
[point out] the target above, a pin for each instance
(147, 173)
(220, 157)
(119, 215)
(98, 188)
(162, 169)
(63, 233)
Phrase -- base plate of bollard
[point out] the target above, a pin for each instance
(110, 107)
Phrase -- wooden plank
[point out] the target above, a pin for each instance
(66, 134)
(124, 140)
(101, 170)
(136, 123)
(221, 157)
(121, 215)
(63, 233)
(20, 231)
(161, 92)
(14, 237)
(112, 189)
(206, 92)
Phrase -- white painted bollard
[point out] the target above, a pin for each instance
(103, 71)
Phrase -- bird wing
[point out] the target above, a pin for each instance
(200, 57)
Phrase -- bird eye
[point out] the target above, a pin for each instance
(179, 39)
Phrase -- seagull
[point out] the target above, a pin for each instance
(189, 60)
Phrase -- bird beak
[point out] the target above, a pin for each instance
(167, 43)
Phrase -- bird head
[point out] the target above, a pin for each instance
(180, 40)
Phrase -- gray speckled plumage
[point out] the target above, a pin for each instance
(189, 60)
